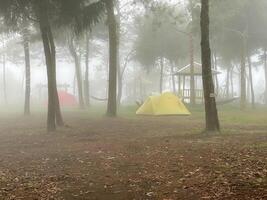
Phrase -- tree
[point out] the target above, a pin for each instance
(72, 44)
(22, 29)
(192, 76)
(112, 92)
(212, 121)
(265, 70)
(54, 115)
(239, 32)
(4, 77)
(86, 79)
(26, 46)
(162, 37)
(77, 14)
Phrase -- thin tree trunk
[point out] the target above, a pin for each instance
(112, 91)
(192, 59)
(119, 87)
(248, 89)
(265, 69)
(228, 83)
(212, 121)
(161, 75)
(27, 71)
(74, 84)
(78, 72)
(4, 78)
(216, 76)
(232, 81)
(86, 79)
(243, 78)
(192, 73)
(173, 78)
(251, 81)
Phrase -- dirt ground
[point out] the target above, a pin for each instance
(141, 158)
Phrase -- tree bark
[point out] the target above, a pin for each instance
(161, 75)
(192, 59)
(216, 76)
(251, 81)
(26, 47)
(112, 91)
(212, 121)
(78, 71)
(192, 69)
(54, 114)
(4, 78)
(248, 89)
(120, 82)
(243, 94)
(265, 69)
(228, 83)
(74, 84)
(59, 118)
(86, 79)
(51, 115)
(119, 67)
(232, 81)
(173, 78)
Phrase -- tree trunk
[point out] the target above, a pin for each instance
(86, 79)
(228, 84)
(192, 69)
(173, 78)
(74, 84)
(216, 76)
(161, 75)
(27, 71)
(77, 70)
(212, 121)
(248, 89)
(119, 86)
(192, 59)
(112, 91)
(119, 69)
(59, 118)
(243, 94)
(232, 81)
(51, 115)
(54, 114)
(251, 81)
(4, 78)
(265, 69)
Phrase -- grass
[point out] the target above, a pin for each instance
(260, 145)
(229, 114)
(249, 116)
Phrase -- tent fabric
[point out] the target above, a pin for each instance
(66, 99)
(165, 104)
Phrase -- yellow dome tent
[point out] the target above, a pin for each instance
(165, 104)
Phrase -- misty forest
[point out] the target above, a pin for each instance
(133, 99)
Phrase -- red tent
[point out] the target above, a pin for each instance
(66, 99)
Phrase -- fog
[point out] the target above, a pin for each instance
(133, 99)
(98, 60)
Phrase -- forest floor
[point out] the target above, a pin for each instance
(139, 158)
